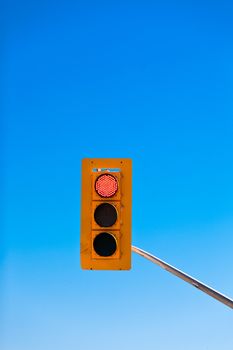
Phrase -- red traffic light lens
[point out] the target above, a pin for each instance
(106, 185)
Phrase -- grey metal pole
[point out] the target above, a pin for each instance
(203, 287)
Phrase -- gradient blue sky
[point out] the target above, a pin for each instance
(148, 80)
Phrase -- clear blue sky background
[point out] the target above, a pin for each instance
(148, 80)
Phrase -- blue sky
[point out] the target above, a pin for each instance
(152, 81)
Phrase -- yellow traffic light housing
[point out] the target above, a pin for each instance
(106, 214)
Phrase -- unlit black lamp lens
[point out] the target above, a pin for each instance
(105, 215)
(105, 244)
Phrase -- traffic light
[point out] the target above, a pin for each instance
(106, 214)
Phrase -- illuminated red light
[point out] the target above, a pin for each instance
(106, 185)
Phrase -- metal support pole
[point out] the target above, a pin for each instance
(203, 287)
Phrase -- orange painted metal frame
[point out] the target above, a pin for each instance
(121, 260)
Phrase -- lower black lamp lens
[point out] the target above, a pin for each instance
(105, 244)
